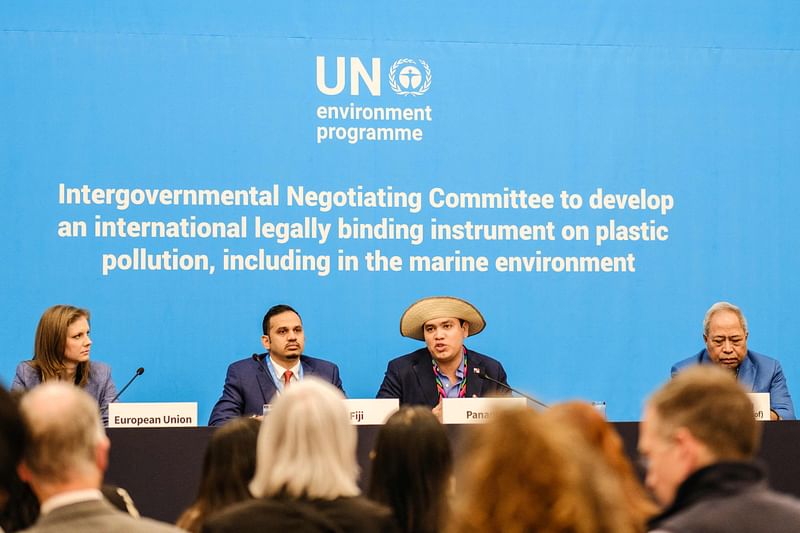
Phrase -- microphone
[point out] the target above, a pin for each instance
(481, 374)
(139, 372)
(259, 361)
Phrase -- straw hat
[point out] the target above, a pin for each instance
(439, 307)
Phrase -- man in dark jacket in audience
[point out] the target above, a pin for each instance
(699, 437)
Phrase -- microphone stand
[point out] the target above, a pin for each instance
(139, 372)
(512, 389)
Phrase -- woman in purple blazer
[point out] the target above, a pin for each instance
(61, 353)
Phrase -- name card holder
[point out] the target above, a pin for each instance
(371, 412)
(152, 415)
(476, 410)
(760, 405)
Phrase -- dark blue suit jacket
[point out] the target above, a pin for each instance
(410, 378)
(758, 373)
(248, 386)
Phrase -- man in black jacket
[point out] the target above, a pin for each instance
(445, 368)
(699, 437)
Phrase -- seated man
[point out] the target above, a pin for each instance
(252, 382)
(698, 438)
(445, 368)
(725, 334)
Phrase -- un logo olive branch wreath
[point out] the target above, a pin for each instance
(419, 91)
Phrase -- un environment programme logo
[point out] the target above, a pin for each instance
(361, 119)
(409, 79)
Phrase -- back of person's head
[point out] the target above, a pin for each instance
(713, 407)
(230, 462)
(65, 429)
(589, 423)
(12, 441)
(411, 469)
(307, 445)
(228, 468)
(18, 505)
(521, 473)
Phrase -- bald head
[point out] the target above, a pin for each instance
(65, 432)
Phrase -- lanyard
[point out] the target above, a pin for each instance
(278, 380)
(462, 388)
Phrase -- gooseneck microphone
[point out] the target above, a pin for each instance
(260, 362)
(481, 374)
(139, 372)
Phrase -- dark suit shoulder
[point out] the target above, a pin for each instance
(242, 363)
(316, 362)
(411, 358)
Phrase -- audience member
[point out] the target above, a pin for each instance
(587, 421)
(412, 467)
(61, 353)
(228, 467)
(698, 436)
(306, 470)
(18, 506)
(520, 473)
(64, 462)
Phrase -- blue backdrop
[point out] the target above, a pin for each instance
(694, 103)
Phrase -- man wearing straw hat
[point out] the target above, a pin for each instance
(445, 368)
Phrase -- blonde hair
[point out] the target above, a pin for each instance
(64, 429)
(307, 445)
(51, 338)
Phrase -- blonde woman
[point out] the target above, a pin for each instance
(306, 471)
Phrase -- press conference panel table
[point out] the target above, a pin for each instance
(160, 467)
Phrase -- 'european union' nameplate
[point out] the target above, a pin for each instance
(371, 412)
(152, 415)
(476, 410)
(760, 404)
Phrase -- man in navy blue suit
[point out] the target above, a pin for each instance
(251, 383)
(445, 368)
(725, 334)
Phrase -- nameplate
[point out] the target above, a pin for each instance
(371, 412)
(476, 410)
(152, 415)
(760, 405)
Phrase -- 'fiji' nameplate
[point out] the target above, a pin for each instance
(371, 412)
